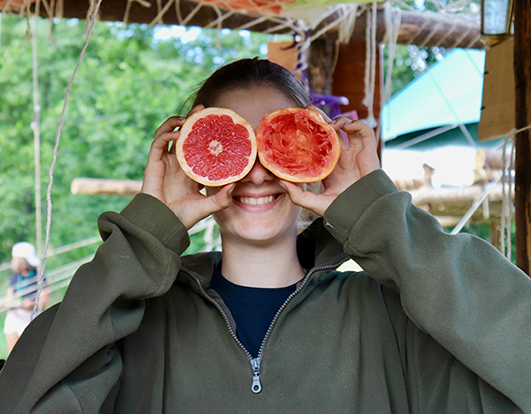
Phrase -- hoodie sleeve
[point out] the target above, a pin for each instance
(458, 289)
(73, 345)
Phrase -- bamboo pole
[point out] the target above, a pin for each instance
(102, 186)
(522, 71)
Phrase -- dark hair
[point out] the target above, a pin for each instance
(246, 73)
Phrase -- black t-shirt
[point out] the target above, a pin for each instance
(253, 309)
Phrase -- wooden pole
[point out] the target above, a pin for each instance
(522, 71)
(102, 186)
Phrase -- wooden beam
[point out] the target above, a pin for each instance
(425, 29)
(102, 186)
(522, 71)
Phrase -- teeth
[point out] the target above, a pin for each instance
(255, 201)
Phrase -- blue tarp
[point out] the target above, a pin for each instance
(449, 93)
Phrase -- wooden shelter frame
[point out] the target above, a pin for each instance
(389, 25)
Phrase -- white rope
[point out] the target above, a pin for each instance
(54, 159)
(218, 23)
(507, 188)
(392, 19)
(302, 45)
(506, 213)
(159, 7)
(59, 9)
(370, 64)
(191, 14)
(178, 11)
(158, 18)
(346, 26)
(35, 126)
(434, 29)
(475, 205)
(345, 22)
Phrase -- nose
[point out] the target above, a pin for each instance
(258, 174)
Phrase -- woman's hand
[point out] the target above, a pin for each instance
(355, 161)
(165, 180)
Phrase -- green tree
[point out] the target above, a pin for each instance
(131, 79)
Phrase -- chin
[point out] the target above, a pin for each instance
(256, 232)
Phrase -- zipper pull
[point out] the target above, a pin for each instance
(257, 386)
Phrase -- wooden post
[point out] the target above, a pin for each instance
(321, 64)
(348, 80)
(522, 71)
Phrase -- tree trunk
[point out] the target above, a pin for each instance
(522, 70)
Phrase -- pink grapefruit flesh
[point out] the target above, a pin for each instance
(216, 146)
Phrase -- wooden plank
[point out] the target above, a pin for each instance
(522, 71)
(348, 79)
(497, 111)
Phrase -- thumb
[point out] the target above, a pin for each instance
(216, 202)
(303, 198)
(206, 205)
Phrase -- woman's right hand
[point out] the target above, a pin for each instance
(165, 180)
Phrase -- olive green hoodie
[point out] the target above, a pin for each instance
(442, 325)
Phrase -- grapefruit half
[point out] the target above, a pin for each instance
(297, 145)
(216, 147)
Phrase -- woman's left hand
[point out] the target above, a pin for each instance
(355, 162)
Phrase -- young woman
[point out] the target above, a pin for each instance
(21, 291)
(435, 323)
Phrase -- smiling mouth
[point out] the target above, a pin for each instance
(256, 201)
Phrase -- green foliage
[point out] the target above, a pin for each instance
(410, 62)
(131, 79)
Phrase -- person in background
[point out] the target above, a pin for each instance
(22, 291)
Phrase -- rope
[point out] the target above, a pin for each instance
(54, 160)
(158, 18)
(35, 126)
(507, 188)
(52, 11)
(370, 64)
(159, 7)
(392, 18)
(346, 22)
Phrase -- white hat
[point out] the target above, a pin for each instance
(27, 251)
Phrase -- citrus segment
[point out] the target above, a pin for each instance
(216, 147)
(297, 145)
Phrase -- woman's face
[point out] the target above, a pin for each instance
(261, 211)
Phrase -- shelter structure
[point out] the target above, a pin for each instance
(335, 43)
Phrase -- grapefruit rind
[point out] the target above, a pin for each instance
(297, 145)
(213, 155)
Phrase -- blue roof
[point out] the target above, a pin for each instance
(448, 93)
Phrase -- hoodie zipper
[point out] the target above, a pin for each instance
(256, 385)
